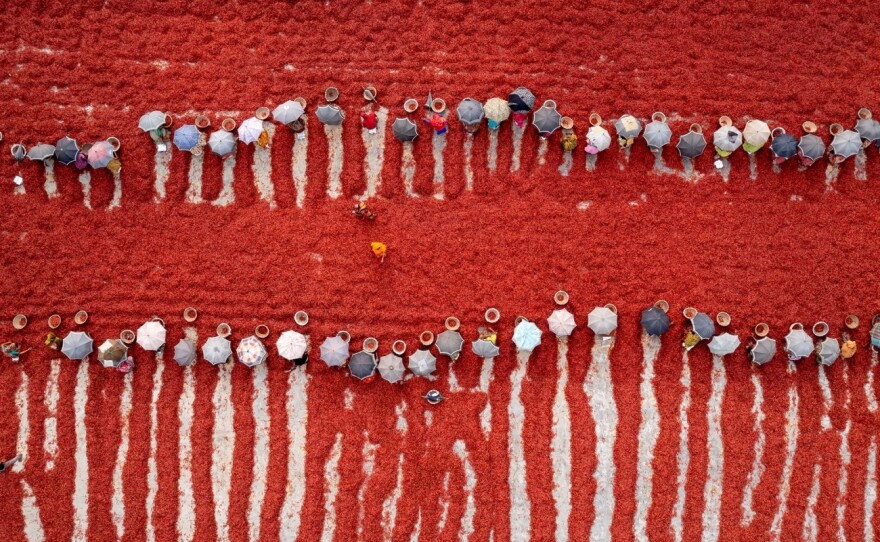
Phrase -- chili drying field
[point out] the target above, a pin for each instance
(614, 440)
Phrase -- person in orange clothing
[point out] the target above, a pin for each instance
(379, 250)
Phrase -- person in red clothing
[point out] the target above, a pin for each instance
(438, 123)
(368, 120)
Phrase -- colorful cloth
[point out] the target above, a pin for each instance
(848, 349)
(569, 142)
(263, 140)
(691, 340)
(438, 123)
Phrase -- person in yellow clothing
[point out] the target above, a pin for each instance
(379, 250)
(569, 141)
(848, 348)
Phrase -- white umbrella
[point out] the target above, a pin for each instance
(151, 335)
(723, 344)
(561, 322)
(217, 350)
(185, 353)
(250, 130)
(798, 344)
(251, 351)
(151, 121)
(828, 351)
(422, 363)
(111, 352)
(334, 351)
(602, 320)
(598, 139)
(77, 345)
(391, 368)
(526, 336)
(288, 112)
(756, 133)
(449, 343)
(292, 345)
(484, 348)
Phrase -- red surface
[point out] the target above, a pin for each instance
(744, 246)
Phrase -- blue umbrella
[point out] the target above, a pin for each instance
(526, 336)
(784, 146)
(187, 137)
(655, 321)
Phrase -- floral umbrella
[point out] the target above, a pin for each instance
(251, 351)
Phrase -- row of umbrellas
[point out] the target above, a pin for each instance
(68, 152)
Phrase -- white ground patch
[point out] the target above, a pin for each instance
(19, 190)
(297, 419)
(262, 167)
(331, 489)
(543, 145)
(299, 162)
(116, 201)
(517, 147)
(452, 380)
(223, 448)
(50, 424)
(33, 524)
(600, 393)
(389, 505)
(402, 426)
(486, 378)
(194, 188)
(438, 145)
(870, 394)
(520, 505)
(81, 479)
(470, 483)
(831, 173)
(50, 185)
(560, 445)
(186, 503)
(683, 458)
(468, 169)
(827, 398)
(715, 446)
(591, 162)
(860, 161)
(753, 166)
(443, 504)
(227, 192)
(262, 423)
(375, 155)
(162, 172)
(417, 528)
(845, 460)
(369, 465)
(117, 502)
(408, 169)
(758, 467)
(152, 467)
(567, 162)
(348, 399)
(486, 420)
(649, 432)
(492, 153)
(870, 490)
(334, 160)
(792, 432)
(85, 179)
(810, 531)
(24, 425)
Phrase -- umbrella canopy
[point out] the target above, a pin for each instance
(628, 126)
(362, 365)
(66, 150)
(112, 352)
(334, 351)
(602, 320)
(151, 335)
(727, 138)
(561, 322)
(470, 111)
(404, 129)
(868, 129)
(151, 121)
(546, 120)
(496, 110)
(391, 368)
(784, 146)
(449, 343)
(828, 351)
(41, 152)
(655, 321)
(703, 325)
(100, 154)
(330, 114)
(484, 348)
(521, 100)
(798, 344)
(221, 142)
(811, 147)
(723, 344)
(691, 144)
(288, 112)
(846, 144)
(422, 363)
(598, 139)
(251, 351)
(526, 336)
(250, 130)
(185, 353)
(187, 137)
(292, 345)
(657, 134)
(763, 351)
(217, 350)
(756, 133)
(77, 345)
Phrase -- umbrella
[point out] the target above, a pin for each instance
(602, 320)
(422, 363)
(828, 351)
(77, 345)
(868, 129)
(288, 112)
(811, 147)
(655, 321)
(111, 352)
(703, 325)
(628, 126)
(151, 335)
(484, 348)
(798, 344)
(526, 336)
(222, 142)
(763, 351)
(521, 100)
(187, 137)
(185, 353)
(497, 111)
(250, 130)
(723, 344)
(151, 121)
(846, 144)
(561, 322)
(727, 138)
(404, 129)
(391, 368)
(691, 144)
(330, 114)
(292, 345)
(756, 133)
(449, 343)
(657, 134)
(100, 154)
(470, 111)
(66, 150)
(41, 152)
(598, 138)
(546, 120)
(217, 350)
(362, 365)
(334, 351)
(430, 101)
(784, 146)
(251, 351)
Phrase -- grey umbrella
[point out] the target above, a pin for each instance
(546, 120)
(703, 325)
(330, 114)
(763, 351)
(470, 111)
(828, 351)
(784, 146)
(151, 121)
(422, 363)
(691, 144)
(362, 365)
(288, 112)
(18, 151)
(404, 129)
(41, 152)
(222, 142)
(846, 144)
(484, 348)
(391, 368)
(657, 134)
(185, 352)
(868, 129)
(449, 343)
(727, 138)
(521, 100)
(628, 126)
(811, 147)
(655, 321)
(66, 150)
(217, 350)
(77, 345)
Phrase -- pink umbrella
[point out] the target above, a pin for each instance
(100, 154)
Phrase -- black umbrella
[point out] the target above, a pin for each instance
(691, 144)
(546, 120)
(784, 146)
(703, 325)
(66, 150)
(811, 147)
(362, 365)
(404, 129)
(521, 100)
(655, 321)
